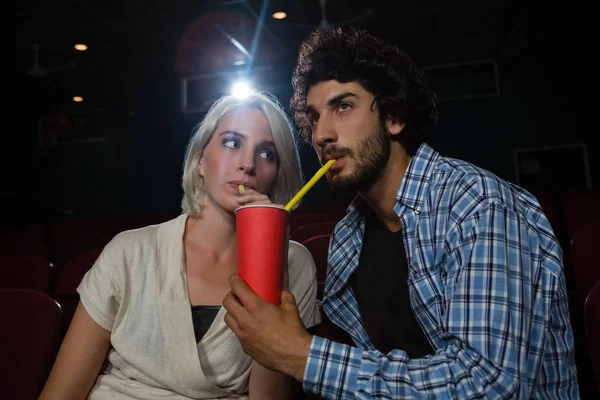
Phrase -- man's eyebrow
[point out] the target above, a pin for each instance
(334, 101)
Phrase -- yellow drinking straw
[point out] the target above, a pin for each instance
(288, 207)
(241, 188)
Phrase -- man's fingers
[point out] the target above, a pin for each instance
(236, 313)
(287, 299)
(232, 323)
(243, 292)
(233, 306)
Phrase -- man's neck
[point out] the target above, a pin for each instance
(381, 196)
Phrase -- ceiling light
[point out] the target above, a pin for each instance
(77, 99)
(279, 15)
(241, 89)
(80, 47)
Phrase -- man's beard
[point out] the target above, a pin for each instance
(370, 160)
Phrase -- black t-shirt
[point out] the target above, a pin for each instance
(380, 285)
(203, 317)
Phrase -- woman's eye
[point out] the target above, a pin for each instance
(314, 119)
(231, 143)
(267, 155)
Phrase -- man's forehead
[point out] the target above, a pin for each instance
(322, 92)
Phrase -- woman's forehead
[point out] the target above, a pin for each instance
(247, 121)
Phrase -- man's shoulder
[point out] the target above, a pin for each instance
(465, 190)
(461, 182)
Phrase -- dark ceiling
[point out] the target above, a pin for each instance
(133, 40)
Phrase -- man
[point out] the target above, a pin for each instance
(448, 279)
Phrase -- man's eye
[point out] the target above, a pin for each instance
(345, 107)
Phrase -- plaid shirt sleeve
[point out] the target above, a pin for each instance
(494, 322)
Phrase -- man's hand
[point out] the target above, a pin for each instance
(273, 335)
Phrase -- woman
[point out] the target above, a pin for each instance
(151, 305)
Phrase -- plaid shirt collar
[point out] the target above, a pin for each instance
(412, 190)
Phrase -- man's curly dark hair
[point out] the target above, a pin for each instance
(401, 90)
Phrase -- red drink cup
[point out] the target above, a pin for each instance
(261, 232)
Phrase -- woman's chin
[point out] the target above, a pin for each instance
(227, 204)
(233, 206)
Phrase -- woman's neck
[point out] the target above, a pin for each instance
(214, 231)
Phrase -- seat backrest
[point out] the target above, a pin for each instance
(580, 206)
(29, 340)
(319, 248)
(591, 317)
(24, 240)
(71, 273)
(584, 257)
(306, 231)
(71, 236)
(68, 279)
(25, 272)
(296, 220)
(547, 201)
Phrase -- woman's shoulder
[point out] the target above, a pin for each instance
(300, 261)
(134, 240)
(298, 252)
(303, 282)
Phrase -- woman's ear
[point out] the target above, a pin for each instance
(200, 167)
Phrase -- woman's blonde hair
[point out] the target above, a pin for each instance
(289, 175)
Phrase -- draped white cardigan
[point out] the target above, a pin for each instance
(137, 290)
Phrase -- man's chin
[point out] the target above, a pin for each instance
(342, 184)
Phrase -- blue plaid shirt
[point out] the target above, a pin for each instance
(486, 284)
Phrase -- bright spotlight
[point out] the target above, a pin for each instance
(241, 89)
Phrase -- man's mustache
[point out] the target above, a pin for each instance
(334, 152)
